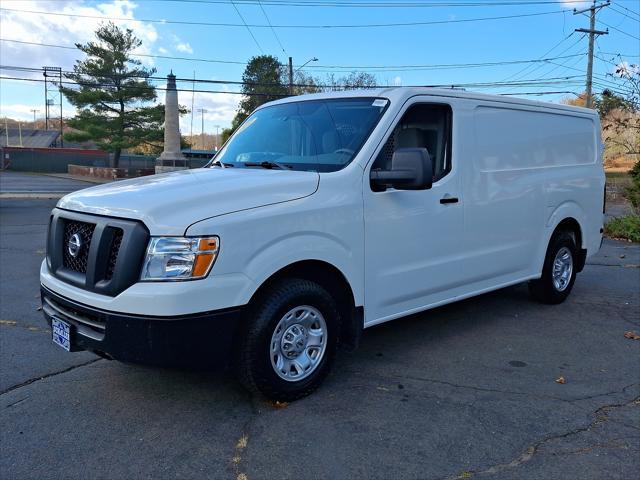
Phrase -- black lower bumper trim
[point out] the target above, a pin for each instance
(202, 340)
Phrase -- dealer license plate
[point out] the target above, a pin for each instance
(61, 333)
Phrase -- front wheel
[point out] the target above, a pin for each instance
(289, 340)
(558, 272)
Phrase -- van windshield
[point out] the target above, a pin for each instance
(317, 135)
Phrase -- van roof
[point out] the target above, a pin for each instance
(401, 94)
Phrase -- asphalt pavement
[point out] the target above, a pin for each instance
(464, 391)
(31, 185)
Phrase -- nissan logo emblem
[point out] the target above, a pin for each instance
(75, 245)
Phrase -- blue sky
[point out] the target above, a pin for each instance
(503, 40)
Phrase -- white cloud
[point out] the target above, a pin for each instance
(63, 30)
(577, 4)
(162, 51)
(397, 81)
(24, 112)
(184, 47)
(181, 46)
(220, 110)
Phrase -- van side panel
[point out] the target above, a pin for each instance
(527, 163)
(505, 204)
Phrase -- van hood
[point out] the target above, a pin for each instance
(168, 203)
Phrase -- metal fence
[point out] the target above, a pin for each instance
(57, 160)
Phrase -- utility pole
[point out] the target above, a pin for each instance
(50, 87)
(202, 112)
(193, 96)
(592, 34)
(290, 76)
(217, 136)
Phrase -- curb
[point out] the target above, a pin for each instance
(32, 195)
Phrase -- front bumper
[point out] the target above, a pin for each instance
(200, 340)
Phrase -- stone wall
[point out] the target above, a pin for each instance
(109, 173)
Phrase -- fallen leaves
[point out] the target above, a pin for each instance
(278, 404)
(632, 336)
(561, 380)
(242, 442)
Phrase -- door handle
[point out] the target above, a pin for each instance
(448, 199)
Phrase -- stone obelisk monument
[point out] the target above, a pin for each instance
(172, 158)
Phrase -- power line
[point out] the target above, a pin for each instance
(538, 93)
(637, 14)
(168, 57)
(380, 68)
(385, 4)
(618, 30)
(636, 19)
(272, 29)
(249, 25)
(524, 83)
(394, 68)
(565, 63)
(526, 69)
(621, 54)
(239, 82)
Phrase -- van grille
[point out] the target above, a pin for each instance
(110, 255)
(85, 231)
(113, 253)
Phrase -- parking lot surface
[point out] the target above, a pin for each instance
(29, 183)
(464, 391)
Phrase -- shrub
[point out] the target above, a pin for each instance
(633, 192)
(627, 228)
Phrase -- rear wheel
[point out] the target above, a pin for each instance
(289, 340)
(559, 271)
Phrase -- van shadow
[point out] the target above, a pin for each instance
(443, 329)
(448, 338)
(438, 323)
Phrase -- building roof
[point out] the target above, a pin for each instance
(10, 137)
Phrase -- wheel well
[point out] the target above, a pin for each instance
(571, 225)
(332, 279)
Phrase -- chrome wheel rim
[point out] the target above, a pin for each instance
(562, 269)
(298, 343)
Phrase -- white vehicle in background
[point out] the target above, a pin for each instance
(323, 215)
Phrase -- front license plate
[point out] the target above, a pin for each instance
(61, 333)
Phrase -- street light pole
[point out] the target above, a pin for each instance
(202, 112)
(34, 111)
(291, 71)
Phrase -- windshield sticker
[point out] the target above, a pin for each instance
(379, 102)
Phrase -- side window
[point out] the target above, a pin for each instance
(422, 126)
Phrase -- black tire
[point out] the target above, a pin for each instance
(253, 363)
(545, 289)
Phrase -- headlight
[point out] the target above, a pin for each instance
(179, 258)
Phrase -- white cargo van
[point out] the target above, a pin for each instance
(321, 216)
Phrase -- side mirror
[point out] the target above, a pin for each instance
(411, 169)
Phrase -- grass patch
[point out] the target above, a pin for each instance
(626, 228)
(618, 176)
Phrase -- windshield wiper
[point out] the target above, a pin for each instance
(221, 164)
(267, 164)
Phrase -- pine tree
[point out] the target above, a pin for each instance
(112, 89)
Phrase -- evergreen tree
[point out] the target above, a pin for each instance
(112, 89)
